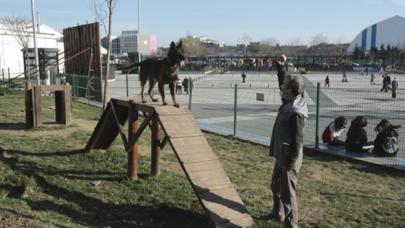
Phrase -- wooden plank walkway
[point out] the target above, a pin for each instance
(211, 184)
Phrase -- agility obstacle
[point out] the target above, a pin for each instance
(208, 179)
(33, 104)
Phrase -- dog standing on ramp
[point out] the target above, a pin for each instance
(161, 71)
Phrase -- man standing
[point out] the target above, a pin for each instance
(178, 86)
(243, 77)
(344, 76)
(385, 84)
(388, 82)
(185, 85)
(282, 69)
(372, 79)
(286, 146)
(394, 85)
(326, 81)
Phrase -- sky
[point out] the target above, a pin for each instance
(228, 21)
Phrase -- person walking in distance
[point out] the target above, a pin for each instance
(394, 87)
(372, 77)
(286, 146)
(326, 81)
(178, 86)
(385, 84)
(185, 85)
(344, 76)
(243, 77)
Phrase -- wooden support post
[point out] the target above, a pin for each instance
(133, 149)
(37, 105)
(29, 113)
(155, 147)
(59, 107)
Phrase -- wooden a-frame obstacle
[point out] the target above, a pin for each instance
(209, 181)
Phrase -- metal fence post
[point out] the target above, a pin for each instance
(9, 78)
(318, 86)
(126, 82)
(74, 85)
(190, 95)
(3, 84)
(234, 109)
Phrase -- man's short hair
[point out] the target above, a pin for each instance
(295, 83)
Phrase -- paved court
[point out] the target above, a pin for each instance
(213, 99)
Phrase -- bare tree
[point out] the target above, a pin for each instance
(319, 39)
(19, 28)
(192, 46)
(104, 9)
(269, 41)
(245, 39)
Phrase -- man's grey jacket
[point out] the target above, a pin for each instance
(286, 143)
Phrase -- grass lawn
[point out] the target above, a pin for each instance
(47, 181)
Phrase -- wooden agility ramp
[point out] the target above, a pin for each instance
(209, 181)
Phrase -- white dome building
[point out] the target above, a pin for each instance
(388, 32)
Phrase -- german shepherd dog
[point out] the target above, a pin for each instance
(161, 71)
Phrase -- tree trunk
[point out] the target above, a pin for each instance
(107, 74)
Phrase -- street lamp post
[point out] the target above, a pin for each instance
(138, 43)
(34, 24)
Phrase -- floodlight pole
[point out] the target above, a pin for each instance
(34, 24)
(139, 51)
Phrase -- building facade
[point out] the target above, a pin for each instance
(127, 43)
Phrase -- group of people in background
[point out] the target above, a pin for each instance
(387, 84)
(385, 143)
(185, 84)
(390, 85)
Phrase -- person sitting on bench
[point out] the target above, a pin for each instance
(356, 138)
(386, 141)
(333, 131)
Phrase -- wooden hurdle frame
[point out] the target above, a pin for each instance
(120, 111)
(33, 104)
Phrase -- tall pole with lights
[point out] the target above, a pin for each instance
(34, 24)
(138, 38)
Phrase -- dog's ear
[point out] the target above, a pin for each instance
(172, 45)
